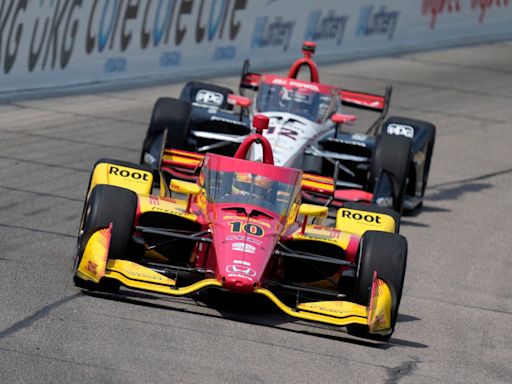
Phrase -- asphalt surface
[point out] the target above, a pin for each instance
(455, 324)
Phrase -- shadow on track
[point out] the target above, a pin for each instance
(248, 310)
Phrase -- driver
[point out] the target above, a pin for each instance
(255, 186)
(299, 101)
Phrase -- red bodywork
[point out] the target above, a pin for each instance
(379, 103)
(244, 234)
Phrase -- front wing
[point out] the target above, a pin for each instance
(94, 266)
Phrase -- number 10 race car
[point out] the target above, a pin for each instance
(242, 228)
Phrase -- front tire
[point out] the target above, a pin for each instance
(107, 205)
(385, 253)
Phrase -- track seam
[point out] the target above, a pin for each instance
(38, 315)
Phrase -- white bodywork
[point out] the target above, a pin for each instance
(289, 135)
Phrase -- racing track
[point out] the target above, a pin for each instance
(456, 313)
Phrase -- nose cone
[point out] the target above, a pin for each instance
(239, 282)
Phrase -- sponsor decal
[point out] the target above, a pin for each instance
(369, 218)
(328, 27)
(92, 266)
(353, 142)
(223, 119)
(242, 262)
(240, 269)
(276, 33)
(400, 130)
(295, 84)
(386, 202)
(243, 247)
(381, 22)
(317, 237)
(204, 96)
(153, 200)
(244, 238)
(128, 173)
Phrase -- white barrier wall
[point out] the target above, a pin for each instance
(48, 43)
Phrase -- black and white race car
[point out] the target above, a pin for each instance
(387, 165)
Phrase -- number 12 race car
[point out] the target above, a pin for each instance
(242, 228)
(306, 132)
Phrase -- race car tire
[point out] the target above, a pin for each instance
(424, 132)
(110, 204)
(385, 253)
(393, 154)
(191, 89)
(375, 209)
(173, 115)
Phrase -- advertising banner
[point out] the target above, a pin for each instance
(49, 43)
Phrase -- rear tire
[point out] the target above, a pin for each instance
(393, 154)
(109, 204)
(424, 139)
(385, 253)
(173, 115)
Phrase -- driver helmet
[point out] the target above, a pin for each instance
(247, 184)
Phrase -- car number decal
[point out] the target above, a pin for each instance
(249, 228)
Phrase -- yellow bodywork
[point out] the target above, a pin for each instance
(379, 308)
(320, 184)
(313, 210)
(94, 258)
(323, 234)
(165, 205)
(136, 180)
(186, 187)
(184, 158)
(137, 276)
(94, 266)
(358, 222)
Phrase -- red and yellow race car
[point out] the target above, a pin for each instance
(242, 228)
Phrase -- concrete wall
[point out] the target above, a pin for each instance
(49, 43)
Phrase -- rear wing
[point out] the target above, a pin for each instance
(368, 101)
(248, 80)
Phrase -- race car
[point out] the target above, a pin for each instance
(242, 228)
(306, 131)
